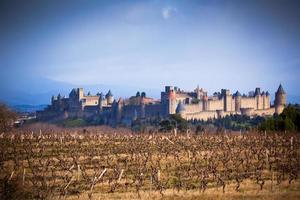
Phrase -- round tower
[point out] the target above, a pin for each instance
(119, 109)
(172, 102)
(268, 103)
(109, 97)
(181, 109)
(205, 103)
(259, 100)
(52, 99)
(237, 102)
(280, 99)
(143, 107)
(101, 101)
(263, 94)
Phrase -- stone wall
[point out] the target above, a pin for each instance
(154, 110)
(204, 115)
(191, 108)
(248, 102)
(214, 105)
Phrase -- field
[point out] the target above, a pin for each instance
(45, 162)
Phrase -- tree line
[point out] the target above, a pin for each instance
(288, 120)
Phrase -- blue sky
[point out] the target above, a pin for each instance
(233, 44)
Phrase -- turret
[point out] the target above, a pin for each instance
(227, 98)
(205, 103)
(73, 94)
(52, 99)
(101, 101)
(259, 99)
(171, 102)
(237, 101)
(109, 97)
(280, 100)
(181, 109)
(197, 90)
(143, 108)
(268, 103)
(143, 95)
(80, 93)
(119, 109)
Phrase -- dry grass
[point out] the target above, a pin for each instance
(248, 190)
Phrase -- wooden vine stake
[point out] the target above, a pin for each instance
(11, 175)
(120, 176)
(158, 175)
(78, 172)
(23, 180)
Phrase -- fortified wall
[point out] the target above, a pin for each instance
(190, 105)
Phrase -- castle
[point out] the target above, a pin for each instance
(189, 104)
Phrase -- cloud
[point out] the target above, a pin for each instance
(168, 12)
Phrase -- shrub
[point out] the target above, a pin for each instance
(74, 123)
(7, 118)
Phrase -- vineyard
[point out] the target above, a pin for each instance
(94, 163)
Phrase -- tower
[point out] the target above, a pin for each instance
(197, 90)
(280, 100)
(101, 102)
(264, 100)
(258, 98)
(109, 97)
(52, 99)
(181, 109)
(171, 101)
(143, 106)
(80, 93)
(205, 103)
(268, 104)
(237, 101)
(227, 98)
(119, 109)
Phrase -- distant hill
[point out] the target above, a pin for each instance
(28, 108)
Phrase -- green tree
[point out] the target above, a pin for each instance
(166, 125)
(292, 112)
(181, 123)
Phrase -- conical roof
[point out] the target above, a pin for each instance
(101, 96)
(73, 92)
(109, 94)
(257, 91)
(280, 89)
(237, 94)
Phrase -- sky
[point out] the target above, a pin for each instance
(239, 45)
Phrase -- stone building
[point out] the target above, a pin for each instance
(189, 104)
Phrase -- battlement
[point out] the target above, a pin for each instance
(194, 104)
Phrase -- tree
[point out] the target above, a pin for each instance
(292, 112)
(7, 118)
(166, 125)
(200, 129)
(181, 123)
(288, 120)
